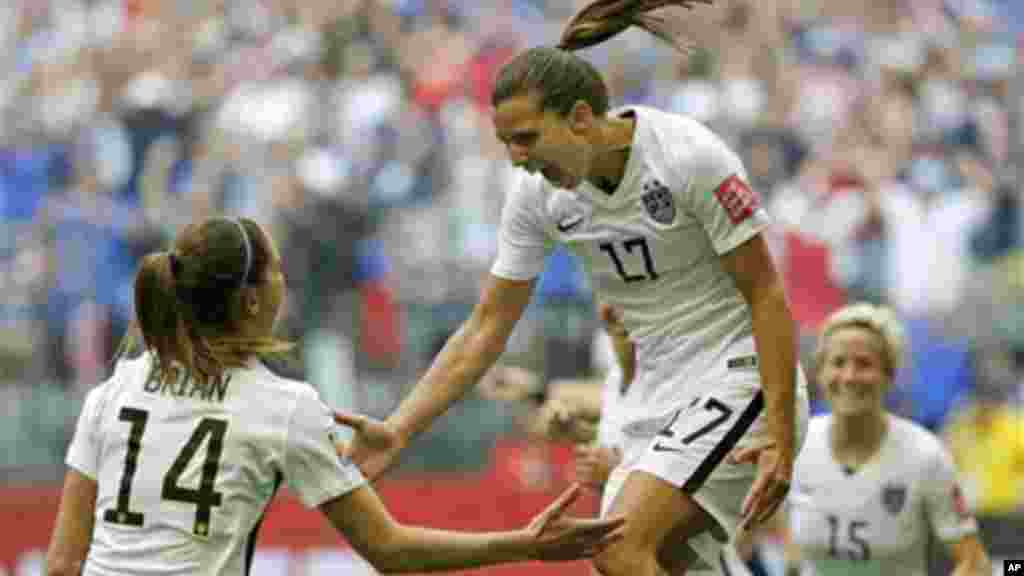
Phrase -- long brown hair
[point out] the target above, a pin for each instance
(559, 78)
(188, 301)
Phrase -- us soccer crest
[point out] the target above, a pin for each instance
(658, 202)
(894, 496)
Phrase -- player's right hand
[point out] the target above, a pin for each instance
(555, 536)
(373, 447)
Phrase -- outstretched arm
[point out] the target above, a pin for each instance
(467, 355)
(394, 547)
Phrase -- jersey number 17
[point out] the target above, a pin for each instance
(629, 245)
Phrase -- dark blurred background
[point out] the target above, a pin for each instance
(882, 135)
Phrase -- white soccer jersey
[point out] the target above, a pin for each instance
(876, 520)
(651, 249)
(186, 471)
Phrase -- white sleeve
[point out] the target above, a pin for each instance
(945, 507)
(522, 242)
(84, 451)
(720, 197)
(313, 469)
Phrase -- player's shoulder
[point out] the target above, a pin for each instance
(677, 131)
(683, 143)
(270, 381)
(915, 441)
(527, 187)
(127, 371)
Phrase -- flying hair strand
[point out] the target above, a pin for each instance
(602, 19)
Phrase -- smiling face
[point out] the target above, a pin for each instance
(853, 372)
(544, 141)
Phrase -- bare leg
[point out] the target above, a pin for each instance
(654, 509)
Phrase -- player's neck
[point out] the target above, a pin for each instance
(857, 438)
(615, 139)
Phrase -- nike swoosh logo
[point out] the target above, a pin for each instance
(567, 225)
(659, 447)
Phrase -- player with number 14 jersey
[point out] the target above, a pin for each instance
(177, 463)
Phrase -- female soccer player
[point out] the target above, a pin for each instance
(660, 211)
(871, 487)
(176, 457)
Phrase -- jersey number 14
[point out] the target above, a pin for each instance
(204, 497)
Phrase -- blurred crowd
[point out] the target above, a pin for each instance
(881, 136)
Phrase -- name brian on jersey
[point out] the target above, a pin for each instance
(184, 386)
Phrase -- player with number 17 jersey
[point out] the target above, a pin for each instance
(185, 471)
(651, 248)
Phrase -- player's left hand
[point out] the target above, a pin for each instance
(774, 474)
(554, 536)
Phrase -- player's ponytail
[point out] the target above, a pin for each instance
(602, 19)
(158, 312)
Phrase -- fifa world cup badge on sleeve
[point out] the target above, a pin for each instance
(738, 200)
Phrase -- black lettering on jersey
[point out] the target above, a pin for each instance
(220, 387)
(201, 388)
(174, 386)
(205, 497)
(629, 246)
(181, 385)
(852, 545)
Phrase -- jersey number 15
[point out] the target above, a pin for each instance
(204, 497)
